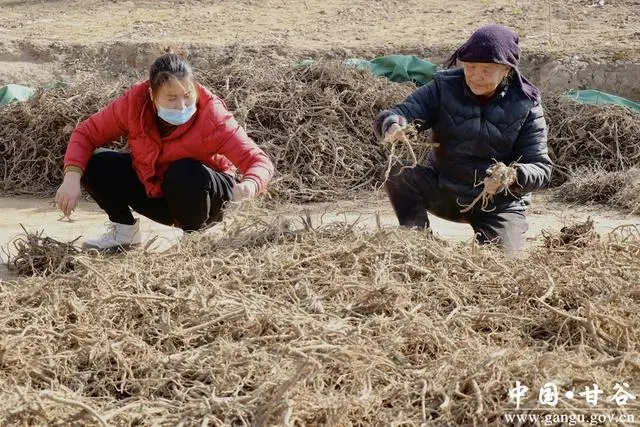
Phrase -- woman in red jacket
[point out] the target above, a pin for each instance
(184, 150)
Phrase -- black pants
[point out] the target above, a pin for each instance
(414, 191)
(193, 193)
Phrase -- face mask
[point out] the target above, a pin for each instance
(176, 117)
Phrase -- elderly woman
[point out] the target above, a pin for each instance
(482, 113)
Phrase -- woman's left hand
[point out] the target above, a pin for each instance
(493, 186)
(244, 190)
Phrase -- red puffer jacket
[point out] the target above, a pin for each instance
(212, 136)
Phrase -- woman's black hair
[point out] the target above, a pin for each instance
(167, 67)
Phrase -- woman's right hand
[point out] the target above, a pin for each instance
(68, 194)
(391, 125)
(392, 131)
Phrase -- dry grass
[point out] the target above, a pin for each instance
(591, 136)
(618, 189)
(330, 326)
(34, 135)
(596, 151)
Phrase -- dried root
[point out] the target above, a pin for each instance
(500, 174)
(36, 254)
(400, 146)
(577, 235)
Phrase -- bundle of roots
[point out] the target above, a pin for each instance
(576, 235)
(36, 254)
(498, 180)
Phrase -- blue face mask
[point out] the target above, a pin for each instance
(176, 117)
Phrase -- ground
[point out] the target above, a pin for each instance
(549, 26)
(38, 215)
(330, 326)
(45, 41)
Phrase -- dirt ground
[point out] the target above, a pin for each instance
(38, 215)
(553, 26)
(569, 315)
(34, 33)
(44, 41)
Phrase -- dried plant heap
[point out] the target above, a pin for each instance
(36, 254)
(499, 173)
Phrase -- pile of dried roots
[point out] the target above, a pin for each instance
(34, 134)
(576, 235)
(316, 123)
(620, 189)
(596, 149)
(328, 326)
(35, 254)
(600, 137)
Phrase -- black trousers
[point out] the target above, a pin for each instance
(414, 191)
(193, 193)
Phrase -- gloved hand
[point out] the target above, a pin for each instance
(500, 181)
(391, 133)
(392, 124)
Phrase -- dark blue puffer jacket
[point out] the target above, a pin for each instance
(473, 134)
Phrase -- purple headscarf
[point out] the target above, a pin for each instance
(498, 44)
